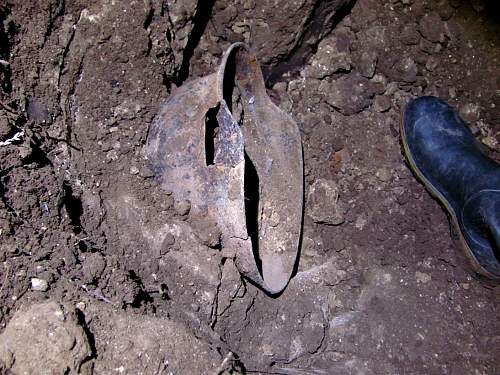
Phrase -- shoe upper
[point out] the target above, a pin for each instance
(448, 156)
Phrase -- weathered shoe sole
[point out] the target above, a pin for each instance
(470, 258)
(250, 178)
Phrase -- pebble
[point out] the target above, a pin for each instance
(81, 306)
(183, 207)
(422, 277)
(409, 35)
(408, 70)
(361, 221)
(112, 155)
(368, 64)
(491, 142)
(349, 94)
(145, 172)
(452, 92)
(382, 103)
(333, 56)
(134, 170)
(470, 112)
(431, 27)
(324, 204)
(431, 63)
(383, 174)
(39, 285)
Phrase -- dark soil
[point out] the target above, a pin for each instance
(381, 287)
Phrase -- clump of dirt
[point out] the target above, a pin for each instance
(380, 287)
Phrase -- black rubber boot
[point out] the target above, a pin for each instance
(445, 156)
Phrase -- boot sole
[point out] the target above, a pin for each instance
(479, 270)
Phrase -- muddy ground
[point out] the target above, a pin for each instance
(103, 272)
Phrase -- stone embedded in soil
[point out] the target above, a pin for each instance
(491, 142)
(278, 30)
(382, 103)
(93, 267)
(39, 285)
(383, 174)
(422, 277)
(146, 172)
(470, 112)
(349, 94)
(5, 127)
(367, 64)
(127, 288)
(333, 55)
(207, 231)
(409, 34)
(45, 339)
(323, 203)
(407, 70)
(142, 344)
(431, 63)
(182, 208)
(431, 27)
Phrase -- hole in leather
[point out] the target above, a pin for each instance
(251, 193)
(211, 131)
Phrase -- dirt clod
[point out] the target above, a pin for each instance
(39, 285)
(45, 339)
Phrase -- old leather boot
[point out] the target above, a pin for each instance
(445, 156)
(221, 143)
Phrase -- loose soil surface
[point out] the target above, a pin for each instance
(103, 272)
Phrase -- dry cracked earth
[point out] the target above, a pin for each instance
(103, 272)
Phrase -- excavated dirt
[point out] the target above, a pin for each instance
(115, 276)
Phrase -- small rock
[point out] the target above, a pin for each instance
(491, 142)
(470, 112)
(45, 339)
(368, 64)
(333, 55)
(5, 127)
(207, 231)
(134, 170)
(145, 172)
(407, 70)
(39, 285)
(112, 155)
(422, 277)
(323, 203)
(81, 306)
(167, 244)
(445, 10)
(452, 92)
(426, 46)
(361, 221)
(349, 94)
(92, 268)
(308, 249)
(383, 174)
(182, 207)
(431, 63)
(431, 27)
(409, 35)
(382, 103)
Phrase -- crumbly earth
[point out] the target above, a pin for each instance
(381, 287)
